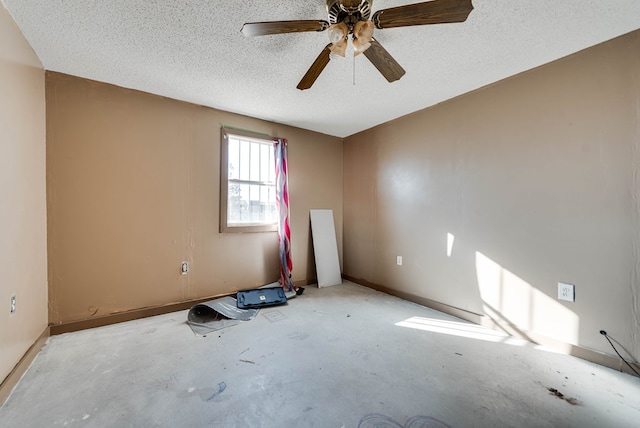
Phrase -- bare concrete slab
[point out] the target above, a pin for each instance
(343, 356)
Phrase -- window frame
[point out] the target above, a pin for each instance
(225, 132)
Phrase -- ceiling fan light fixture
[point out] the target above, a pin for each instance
(338, 37)
(362, 36)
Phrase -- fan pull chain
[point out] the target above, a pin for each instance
(354, 70)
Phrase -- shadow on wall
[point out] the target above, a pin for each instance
(517, 307)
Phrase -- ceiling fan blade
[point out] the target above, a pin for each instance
(280, 27)
(431, 12)
(384, 62)
(316, 68)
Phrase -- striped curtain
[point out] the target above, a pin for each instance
(282, 204)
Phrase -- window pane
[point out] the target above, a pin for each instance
(237, 206)
(265, 166)
(264, 194)
(234, 158)
(244, 160)
(267, 203)
(254, 162)
(272, 169)
(254, 203)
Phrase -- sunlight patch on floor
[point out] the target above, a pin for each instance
(453, 328)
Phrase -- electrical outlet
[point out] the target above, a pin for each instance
(13, 304)
(184, 268)
(566, 292)
(399, 260)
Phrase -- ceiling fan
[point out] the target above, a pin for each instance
(353, 18)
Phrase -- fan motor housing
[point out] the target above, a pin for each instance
(349, 10)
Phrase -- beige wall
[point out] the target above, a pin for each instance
(23, 257)
(133, 190)
(537, 178)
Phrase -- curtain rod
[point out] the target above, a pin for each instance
(246, 130)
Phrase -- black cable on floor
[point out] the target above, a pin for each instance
(604, 333)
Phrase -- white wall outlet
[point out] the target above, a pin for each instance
(184, 268)
(13, 304)
(399, 260)
(566, 292)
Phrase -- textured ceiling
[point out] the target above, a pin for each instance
(193, 50)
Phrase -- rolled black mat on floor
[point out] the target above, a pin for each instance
(216, 314)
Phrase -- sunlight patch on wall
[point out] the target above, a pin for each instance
(450, 239)
(520, 308)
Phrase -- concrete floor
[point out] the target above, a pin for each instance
(333, 357)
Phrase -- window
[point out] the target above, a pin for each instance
(248, 187)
